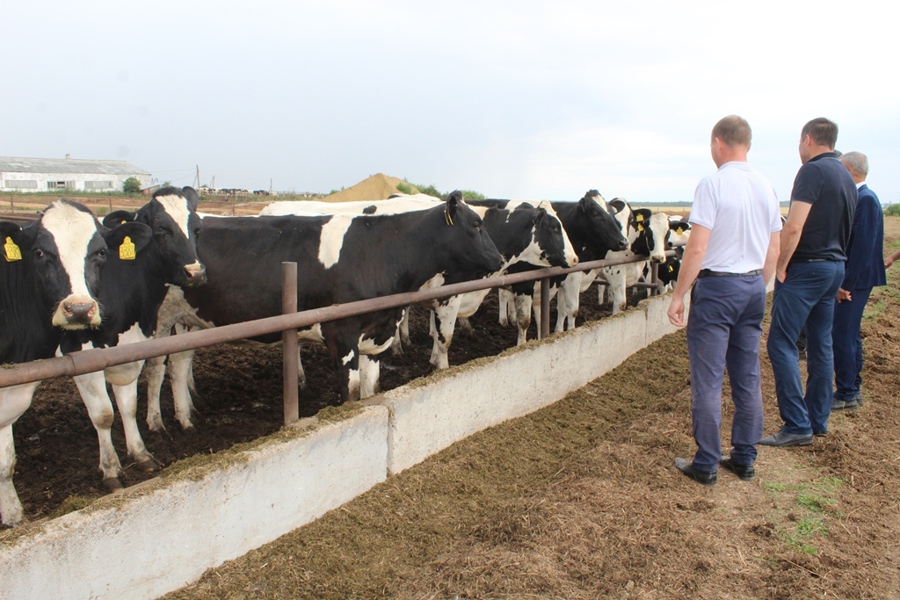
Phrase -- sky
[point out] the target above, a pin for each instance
(513, 99)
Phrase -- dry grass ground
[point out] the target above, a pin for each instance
(581, 500)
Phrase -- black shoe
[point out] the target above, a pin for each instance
(744, 472)
(707, 478)
(782, 438)
(820, 433)
(844, 404)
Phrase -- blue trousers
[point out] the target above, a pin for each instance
(847, 344)
(806, 296)
(723, 331)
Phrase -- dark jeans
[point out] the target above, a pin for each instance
(847, 342)
(806, 296)
(723, 331)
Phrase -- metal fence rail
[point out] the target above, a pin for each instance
(88, 361)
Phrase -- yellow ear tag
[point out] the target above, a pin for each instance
(448, 218)
(11, 251)
(671, 268)
(640, 227)
(639, 218)
(679, 231)
(126, 250)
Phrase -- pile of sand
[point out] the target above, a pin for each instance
(376, 187)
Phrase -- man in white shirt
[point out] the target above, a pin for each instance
(731, 254)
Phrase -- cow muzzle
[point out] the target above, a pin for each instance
(77, 313)
(195, 274)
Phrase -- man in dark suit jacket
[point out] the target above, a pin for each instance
(864, 271)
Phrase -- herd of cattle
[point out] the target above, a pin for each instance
(69, 282)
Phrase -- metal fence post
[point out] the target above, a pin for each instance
(289, 344)
(545, 308)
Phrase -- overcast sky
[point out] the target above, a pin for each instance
(512, 99)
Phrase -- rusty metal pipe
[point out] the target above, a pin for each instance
(97, 359)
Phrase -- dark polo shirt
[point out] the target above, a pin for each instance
(826, 184)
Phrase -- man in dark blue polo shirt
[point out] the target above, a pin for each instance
(808, 275)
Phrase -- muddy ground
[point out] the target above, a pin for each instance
(578, 500)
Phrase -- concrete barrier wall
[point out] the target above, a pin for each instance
(161, 535)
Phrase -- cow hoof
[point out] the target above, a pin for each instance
(148, 465)
(113, 484)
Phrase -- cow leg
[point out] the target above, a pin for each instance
(369, 374)
(523, 303)
(567, 303)
(444, 321)
(123, 379)
(301, 374)
(617, 287)
(92, 387)
(14, 401)
(506, 302)
(465, 325)
(342, 341)
(180, 365)
(156, 373)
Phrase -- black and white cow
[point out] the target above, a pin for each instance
(647, 234)
(593, 231)
(523, 233)
(49, 282)
(134, 282)
(679, 233)
(340, 258)
(173, 310)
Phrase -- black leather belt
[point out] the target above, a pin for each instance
(708, 273)
(809, 260)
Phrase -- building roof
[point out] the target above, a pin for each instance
(16, 164)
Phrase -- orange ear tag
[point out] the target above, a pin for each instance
(126, 250)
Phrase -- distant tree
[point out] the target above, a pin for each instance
(472, 195)
(893, 210)
(132, 185)
(404, 188)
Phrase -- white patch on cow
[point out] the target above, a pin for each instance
(177, 208)
(346, 360)
(391, 206)
(72, 230)
(659, 227)
(332, 239)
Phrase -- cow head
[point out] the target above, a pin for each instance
(606, 230)
(679, 232)
(653, 230)
(555, 248)
(63, 252)
(172, 217)
(464, 240)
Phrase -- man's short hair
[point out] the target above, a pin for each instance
(822, 131)
(733, 131)
(856, 161)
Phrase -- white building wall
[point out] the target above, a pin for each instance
(73, 181)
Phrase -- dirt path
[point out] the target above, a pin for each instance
(581, 500)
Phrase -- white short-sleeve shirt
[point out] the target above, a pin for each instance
(740, 208)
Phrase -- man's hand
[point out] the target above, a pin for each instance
(844, 295)
(781, 276)
(676, 311)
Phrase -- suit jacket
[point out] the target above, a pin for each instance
(865, 252)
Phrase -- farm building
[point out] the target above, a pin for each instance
(47, 174)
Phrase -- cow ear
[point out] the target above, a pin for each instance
(540, 213)
(12, 240)
(192, 197)
(642, 214)
(452, 207)
(128, 239)
(117, 217)
(618, 204)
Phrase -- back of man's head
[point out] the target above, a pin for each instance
(856, 161)
(733, 131)
(822, 131)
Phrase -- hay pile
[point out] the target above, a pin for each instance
(376, 187)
